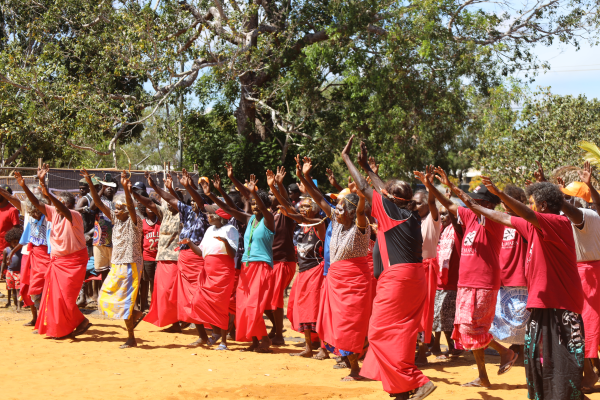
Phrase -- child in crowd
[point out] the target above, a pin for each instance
(11, 257)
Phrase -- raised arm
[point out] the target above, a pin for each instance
(312, 191)
(332, 180)
(146, 202)
(217, 185)
(172, 200)
(426, 179)
(36, 203)
(126, 183)
(435, 214)
(64, 210)
(361, 218)
(101, 206)
(279, 179)
(370, 167)
(233, 211)
(12, 199)
(283, 201)
(186, 181)
(586, 177)
(267, 215)
(240, 187)
(515, 205)
(361, 182)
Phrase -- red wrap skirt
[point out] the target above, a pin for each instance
(393, 329)
(190, 267)
(251, 301)
(305, 297)
(431, 268)
(344, 319)
(58, 315)
(233, 297)
(210, 303)
(25, 277)
(40, 262)
(163, 308)
(281, 277)
(589, 272)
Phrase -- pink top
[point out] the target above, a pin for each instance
(430, 231)
(65, 237)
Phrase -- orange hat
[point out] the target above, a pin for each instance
(203, 178)
(341, 194)
(578, 189)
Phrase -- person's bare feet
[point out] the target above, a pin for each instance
(307, 353)
(264, 345)
(82, 327)
(129, 343)
(252, 347)
(478, 382)
(322, 354)
(30, 323)
(199, 342)
(277, 341)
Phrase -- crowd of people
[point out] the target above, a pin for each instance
(378, 272)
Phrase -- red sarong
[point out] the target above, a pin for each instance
(344, 319)
(233, 297)
(163, 308)
(190, 267)
(305, 297)
(393, 329)
(58, 315)
(251, 301)
(431, 268)
(40, 262)
(210, 303)
(372, 269)
(589, 272)
(25, 277)
(281, 276)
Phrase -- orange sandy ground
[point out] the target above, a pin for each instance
(165, 367)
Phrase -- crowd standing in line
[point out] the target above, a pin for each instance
(382, 271)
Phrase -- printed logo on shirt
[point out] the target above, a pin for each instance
(467, 248)
(508, 241)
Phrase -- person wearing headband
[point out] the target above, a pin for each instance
(210, 302)
(343, 321)
(303, 303)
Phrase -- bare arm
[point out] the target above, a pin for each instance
(332, 180)
(146, 202)
(126, 183)
(101, 206)
(186, 181)
(242, 189)
(267, 215)
(230, 250)
(518, 208)
(370, 167)
(41, 207)
(586, 177)
(172, 200)
(192, 246)
(217, 185)
(64, 210)
(361, 182)
(283, 201)
(314, 192)
(14, 200)
(431, 203)
(301, 219)
(81, 205)
(444, 201)
(233, 211)
(279, 179)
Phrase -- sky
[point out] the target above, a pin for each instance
(572, 72)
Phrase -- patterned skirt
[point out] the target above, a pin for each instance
(511, 316)
(444, 311)
(474, 316)
(119, 291)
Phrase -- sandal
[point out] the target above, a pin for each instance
(506, 367)
(222, 347)
(262, 350)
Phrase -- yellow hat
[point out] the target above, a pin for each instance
(578, 189)
(340, 195)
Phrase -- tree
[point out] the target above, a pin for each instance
(548, 129)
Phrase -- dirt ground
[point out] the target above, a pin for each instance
(165, 367)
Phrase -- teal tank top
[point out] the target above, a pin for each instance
(258, 243)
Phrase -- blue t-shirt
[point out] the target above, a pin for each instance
(194, 225)
(258, 243)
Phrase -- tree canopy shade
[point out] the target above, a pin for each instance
(294, 76)
(547, 129)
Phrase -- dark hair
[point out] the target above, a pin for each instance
(516, 193)
(13, 234)
(401, 189)
(348, 200)
(236, 198)
(548, 192)
(68, 198)
(264, 196)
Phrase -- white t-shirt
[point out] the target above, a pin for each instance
(587, 240)
(211, 246)
(430, 230)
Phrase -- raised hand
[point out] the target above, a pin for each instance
(41, 172)
(205, 187)
(374, 166)
(229, 168)
(184, 178)
(270, 178)
(280, 175)
(124, 179)
(252, 183)
(283, 210)
(561, 182)
(527, 182)
(346, 151)
(487, 181)
(20, 180)
(363, 157)
(421, 177)
(585, 175)
(217, 182)
(149, 179)
(169, 181)
(307, 167)
(441, 176)
(298, 167)
(429, 173)
(301, 187)
(539, 174)
(330, 176)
